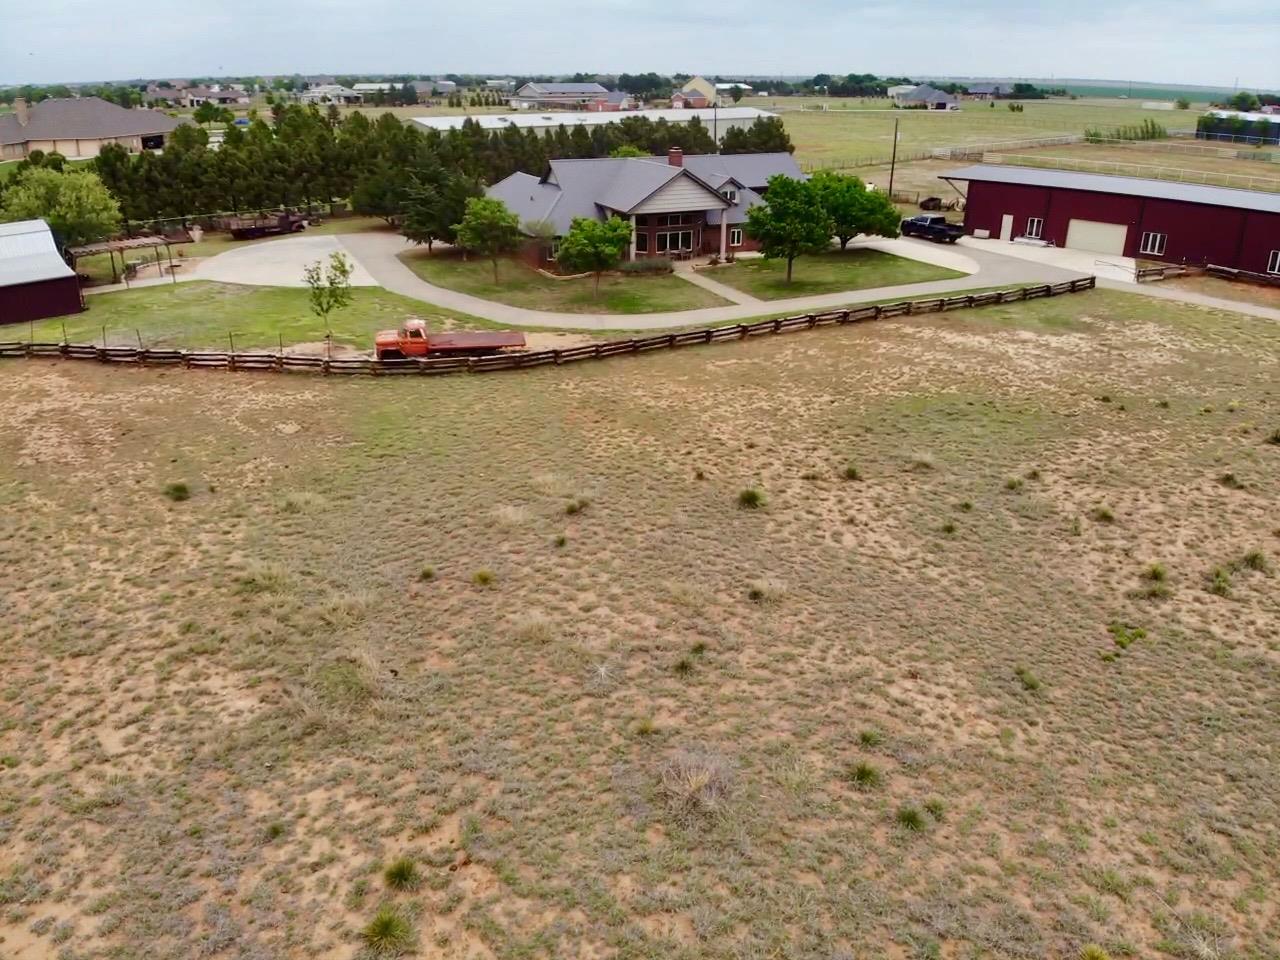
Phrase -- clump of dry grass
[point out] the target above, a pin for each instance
(346, 681)
(533, 628)
(697, 784)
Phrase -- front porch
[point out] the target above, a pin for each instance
(684, 237)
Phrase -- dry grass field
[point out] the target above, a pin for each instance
(511, 667)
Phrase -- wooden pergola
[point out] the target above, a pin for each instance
(112, 247)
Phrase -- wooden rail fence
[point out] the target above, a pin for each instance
(281, 362)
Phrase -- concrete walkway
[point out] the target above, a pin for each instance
(377, 252)
(721, 290)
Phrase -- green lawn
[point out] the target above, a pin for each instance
(521, 286)
(200, 315)
(99, 267)
(827, 273)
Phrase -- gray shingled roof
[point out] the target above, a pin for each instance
(927, 94)
(28, 254)
(581, 89)
(1123, 186)
(586, 188)
(82, 118)
(749, 169)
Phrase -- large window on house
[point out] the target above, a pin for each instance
(1153, 244)
(674, 240)
(1273, 262)
(642, 243)
(735, 237)
(1035, 228)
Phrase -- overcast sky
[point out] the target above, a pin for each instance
(1212, 42)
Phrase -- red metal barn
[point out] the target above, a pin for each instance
(1125, 216)
(35, 282)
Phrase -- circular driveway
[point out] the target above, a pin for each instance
(279, 263)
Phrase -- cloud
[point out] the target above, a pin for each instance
(1189, 41)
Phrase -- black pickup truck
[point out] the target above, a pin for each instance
(933, 228)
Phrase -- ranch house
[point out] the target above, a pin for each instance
(678, 206)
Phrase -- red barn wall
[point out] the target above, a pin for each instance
(1197, 233)
(37, 301)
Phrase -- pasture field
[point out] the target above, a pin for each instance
(839, 137)
(987, 668)
(522, 286)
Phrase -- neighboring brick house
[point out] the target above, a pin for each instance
(223, 97)
(678, 206)
(690, 100)
(612, 101)
(79, 127)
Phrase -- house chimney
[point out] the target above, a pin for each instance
(675, 157)
(20, 108)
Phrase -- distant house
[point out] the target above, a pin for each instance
(725, 90)
(989, 91)
(500, 85)
(426, 88)
(698, 87)
(196, 96)
(691, 100)
(381, 87)
(79, 127)
(330, 93)
(678, 206)
(895, 92)
(611, 101)
(927, 98)
(557, 95)
(35, 282)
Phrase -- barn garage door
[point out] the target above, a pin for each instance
(1096, 236)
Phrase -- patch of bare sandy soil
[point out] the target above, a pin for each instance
(499, 667)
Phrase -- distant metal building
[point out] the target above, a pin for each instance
(35, 282)
(1125, 216)
(717, 121)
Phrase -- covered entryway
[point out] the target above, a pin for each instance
(1097, 236)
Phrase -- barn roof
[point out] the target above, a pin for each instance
(28, 254)
(1120, 186)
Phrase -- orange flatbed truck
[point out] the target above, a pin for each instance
(413, 340)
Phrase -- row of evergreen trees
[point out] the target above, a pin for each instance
(307, 156)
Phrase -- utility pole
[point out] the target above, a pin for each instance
(893, 162)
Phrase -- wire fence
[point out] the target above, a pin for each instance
(281, 362)
(1150, 171)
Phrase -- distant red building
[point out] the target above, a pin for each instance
(1125, 216)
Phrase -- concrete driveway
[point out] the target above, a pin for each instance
(278, 263)
(1104, 266)
(379, 252)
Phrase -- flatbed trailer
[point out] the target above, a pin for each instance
(250, 228)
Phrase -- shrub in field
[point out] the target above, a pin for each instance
(851, 472)
(871, 738)
(1274, 438)
(1103, 515)
(697, 784)
(751, 499)
(1029, 680)
(389, 933)
(1125, 634)
(483, 578)
(402, 874)
(427, 573)
(177, 492)
(1220, 582)
(1092, 951)
(936, 808)
(910, 818)
(1231, 481)
(1254, 560)
(864, 776)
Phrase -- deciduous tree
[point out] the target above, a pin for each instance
(329, 286)
(853, 208)
(790, 223)
(594, 246)
(75, 204)
(489, 229)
